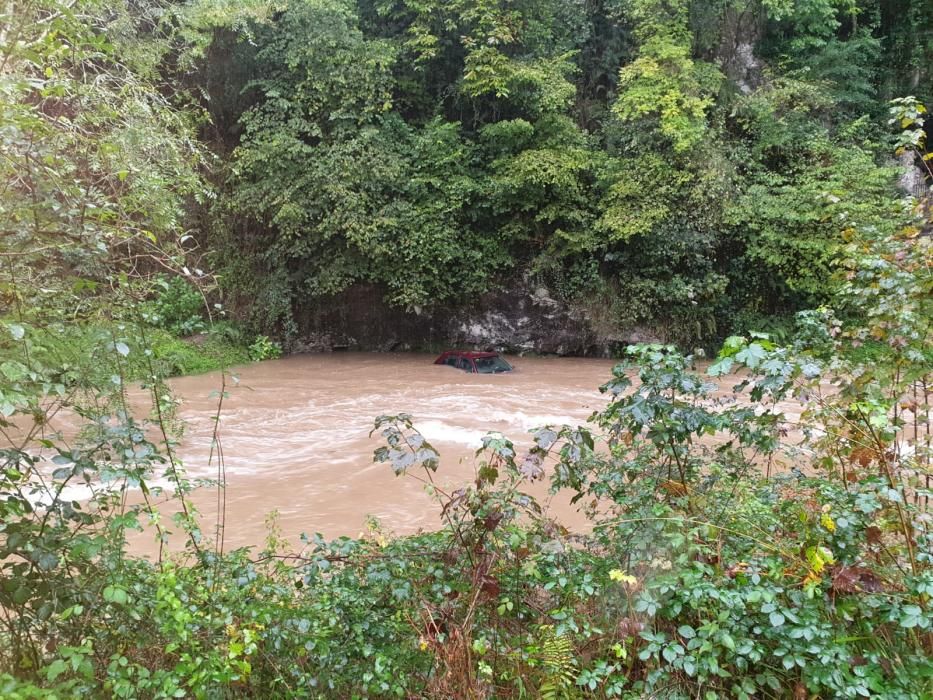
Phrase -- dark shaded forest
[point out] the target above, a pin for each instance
(676, 165)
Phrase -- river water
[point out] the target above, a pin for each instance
(295, 435)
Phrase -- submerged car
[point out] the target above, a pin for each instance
(475, 362)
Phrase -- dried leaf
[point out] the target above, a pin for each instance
(674, 488)
(491, 521)
(630, 627)
(490, 586)
(856, 579)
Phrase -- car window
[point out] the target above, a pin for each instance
(451, 361)
(466, 364)
(492, 365)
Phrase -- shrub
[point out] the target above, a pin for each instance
(177, 307)
(702, 575)
(262, 348)
(175, 356)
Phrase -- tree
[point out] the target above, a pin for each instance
(664, 84)
(98, 166)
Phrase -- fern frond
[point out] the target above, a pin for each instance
(559, 662)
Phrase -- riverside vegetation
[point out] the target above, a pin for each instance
(173, 169)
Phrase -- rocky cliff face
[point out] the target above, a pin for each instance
(741, 30)
(518, 320)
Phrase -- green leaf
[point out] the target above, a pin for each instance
(48, 561)
(115, 595)
(777, 619)
(911, 616)
(14, 371)
(752, 356)
(720, 367)
(686, 631)
(55, 669)
(21, 595)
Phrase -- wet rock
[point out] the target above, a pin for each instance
(320, 342)
(522, 320)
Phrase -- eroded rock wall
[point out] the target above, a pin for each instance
(518, 320)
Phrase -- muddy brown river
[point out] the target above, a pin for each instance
(295, 436)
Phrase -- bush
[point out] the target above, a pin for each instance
(176, 357)
(177, 307)
(264, 349)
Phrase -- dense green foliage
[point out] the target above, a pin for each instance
(673, 164)
(621, 151)
(101, 170)
(735, 552)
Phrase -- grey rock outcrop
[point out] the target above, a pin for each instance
(521, 319)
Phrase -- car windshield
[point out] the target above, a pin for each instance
(492, 365)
